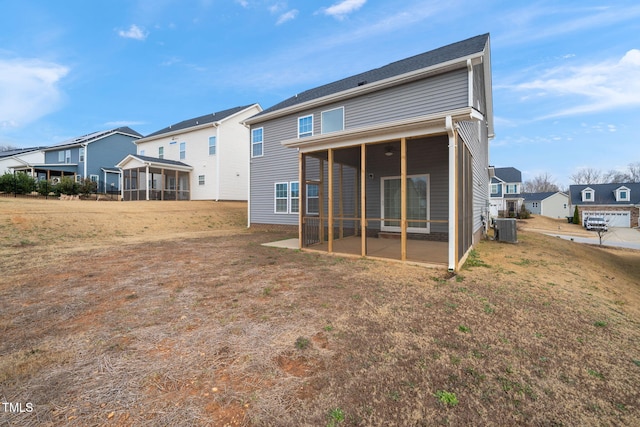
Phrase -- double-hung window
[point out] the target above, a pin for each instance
(305, 126)
(512, 188)
(313, 199)
(287, 197)
(212, 145)
(200, 179)
(81, 154)
(61, 156)
(67, 156)
(183, 150)
(494, 188)
(282, 198)
(257, 142)
(332, 120)
(161, 152)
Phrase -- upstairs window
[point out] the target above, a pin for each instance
(142, 152)
(67, 156)
(494, 188)
(588, 195)
(623, 194)
(212, 145)
(81, 154)
(161, 152)
(257, 142)
(332, 120)
(512, 188)
(61, 156)
(183, 150)
(305, 126)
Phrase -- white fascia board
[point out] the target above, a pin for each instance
(369, 87)
(178, 132)
(414, 127)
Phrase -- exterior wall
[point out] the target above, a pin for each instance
(226, 172)
(534, 206)
(556, 206)
(51, 157)
(33, 157)
(474, 134)
(479, 95)
(442, 92)
(106, 153)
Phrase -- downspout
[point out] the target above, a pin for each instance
(249, 177)
(86, 157)
(452, 193)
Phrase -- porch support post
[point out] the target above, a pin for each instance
(175, 187)
(146, 180)
(453, 206)
(330, 202)
(302, 197)
(363, 200)
(403, 199)
(340, 203)
(162, 184)
(321, 203)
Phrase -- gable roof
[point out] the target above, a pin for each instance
(18, 151)
(605, 194)
(154, 161)
(199, 121)
(461, 49)
(125, 130)
(536, 197)
(508, 174)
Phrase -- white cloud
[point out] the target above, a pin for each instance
(343, 8)
(288, 16)
(243, 3)
(592, 88)
(134, 32)
(28, 90)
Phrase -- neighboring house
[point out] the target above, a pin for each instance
(11, 160)
(619, 204)
(506, 187)
(204, 158)
(553, 204)
(88, 156)
(391, 163)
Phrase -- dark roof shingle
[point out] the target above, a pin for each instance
(201, 120)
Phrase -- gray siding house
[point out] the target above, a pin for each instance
(618, 204)
(505, 192)
(389, 163)
(90, 156)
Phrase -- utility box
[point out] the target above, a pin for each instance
(505, 230)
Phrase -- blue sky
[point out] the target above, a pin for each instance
(566, 75)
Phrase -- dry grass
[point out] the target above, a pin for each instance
(190, 325)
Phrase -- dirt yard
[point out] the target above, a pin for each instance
(172, 313)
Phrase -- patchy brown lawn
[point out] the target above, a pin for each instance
(191, 321)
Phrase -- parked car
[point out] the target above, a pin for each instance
(596, 223)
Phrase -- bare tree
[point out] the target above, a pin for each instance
(634, 172)
(7, 147)
(587, 176)
(540, 184)
(631, 175)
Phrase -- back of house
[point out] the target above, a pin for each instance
(397, 153)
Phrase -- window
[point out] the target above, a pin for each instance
(183, 150)
(67, 156)
(212, 145)
(142, 152)
(82, 154)
(60, 156)
(332, 120)
(494, 188)
(256, 142)
(305, 126)
(512, 188)
(94, 178)
(587, 195)
(200, 179)
(622, 194)
(282, 197)
(313, 199)
(161, 152)
(294, 189)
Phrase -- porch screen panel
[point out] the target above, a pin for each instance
(392, 202)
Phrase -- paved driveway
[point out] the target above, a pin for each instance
(616, 236)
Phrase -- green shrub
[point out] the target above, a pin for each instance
(67, 186)
(524, 213)
(576, 216)
(20, 183)
(87, 187)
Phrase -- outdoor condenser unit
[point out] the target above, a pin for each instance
(505, 230)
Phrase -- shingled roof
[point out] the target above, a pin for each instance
(201, 120)
(441, 55)
(605, 194)
(94, 136)
(508, 174)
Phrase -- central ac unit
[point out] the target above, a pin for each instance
(505, 230)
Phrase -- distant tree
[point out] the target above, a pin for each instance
(19, 183)
(631, 175)
(587, 176)
(615, 177)
(7, 147)
(634, 172)
(540, 184)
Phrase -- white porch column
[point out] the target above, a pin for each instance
(453, 238)
(146, 180)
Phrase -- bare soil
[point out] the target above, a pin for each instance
(172, 313)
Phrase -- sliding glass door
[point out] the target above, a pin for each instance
(417, 203)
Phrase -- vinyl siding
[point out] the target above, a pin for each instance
(473, 134)
(479, 98)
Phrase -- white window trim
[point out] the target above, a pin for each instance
(291, 198)
(61, 156)
(620, 199)
(514, 192)
(161, 152)
(94, 178)
(81, 155)
(322, 121)
(201, 181)
(306, 134)
(215, 145)
(67, 156)
(427, 229)
(496, 187)
(586, 191)
(182, 153)
(261, 143)
(276, 198)
(307, 197)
